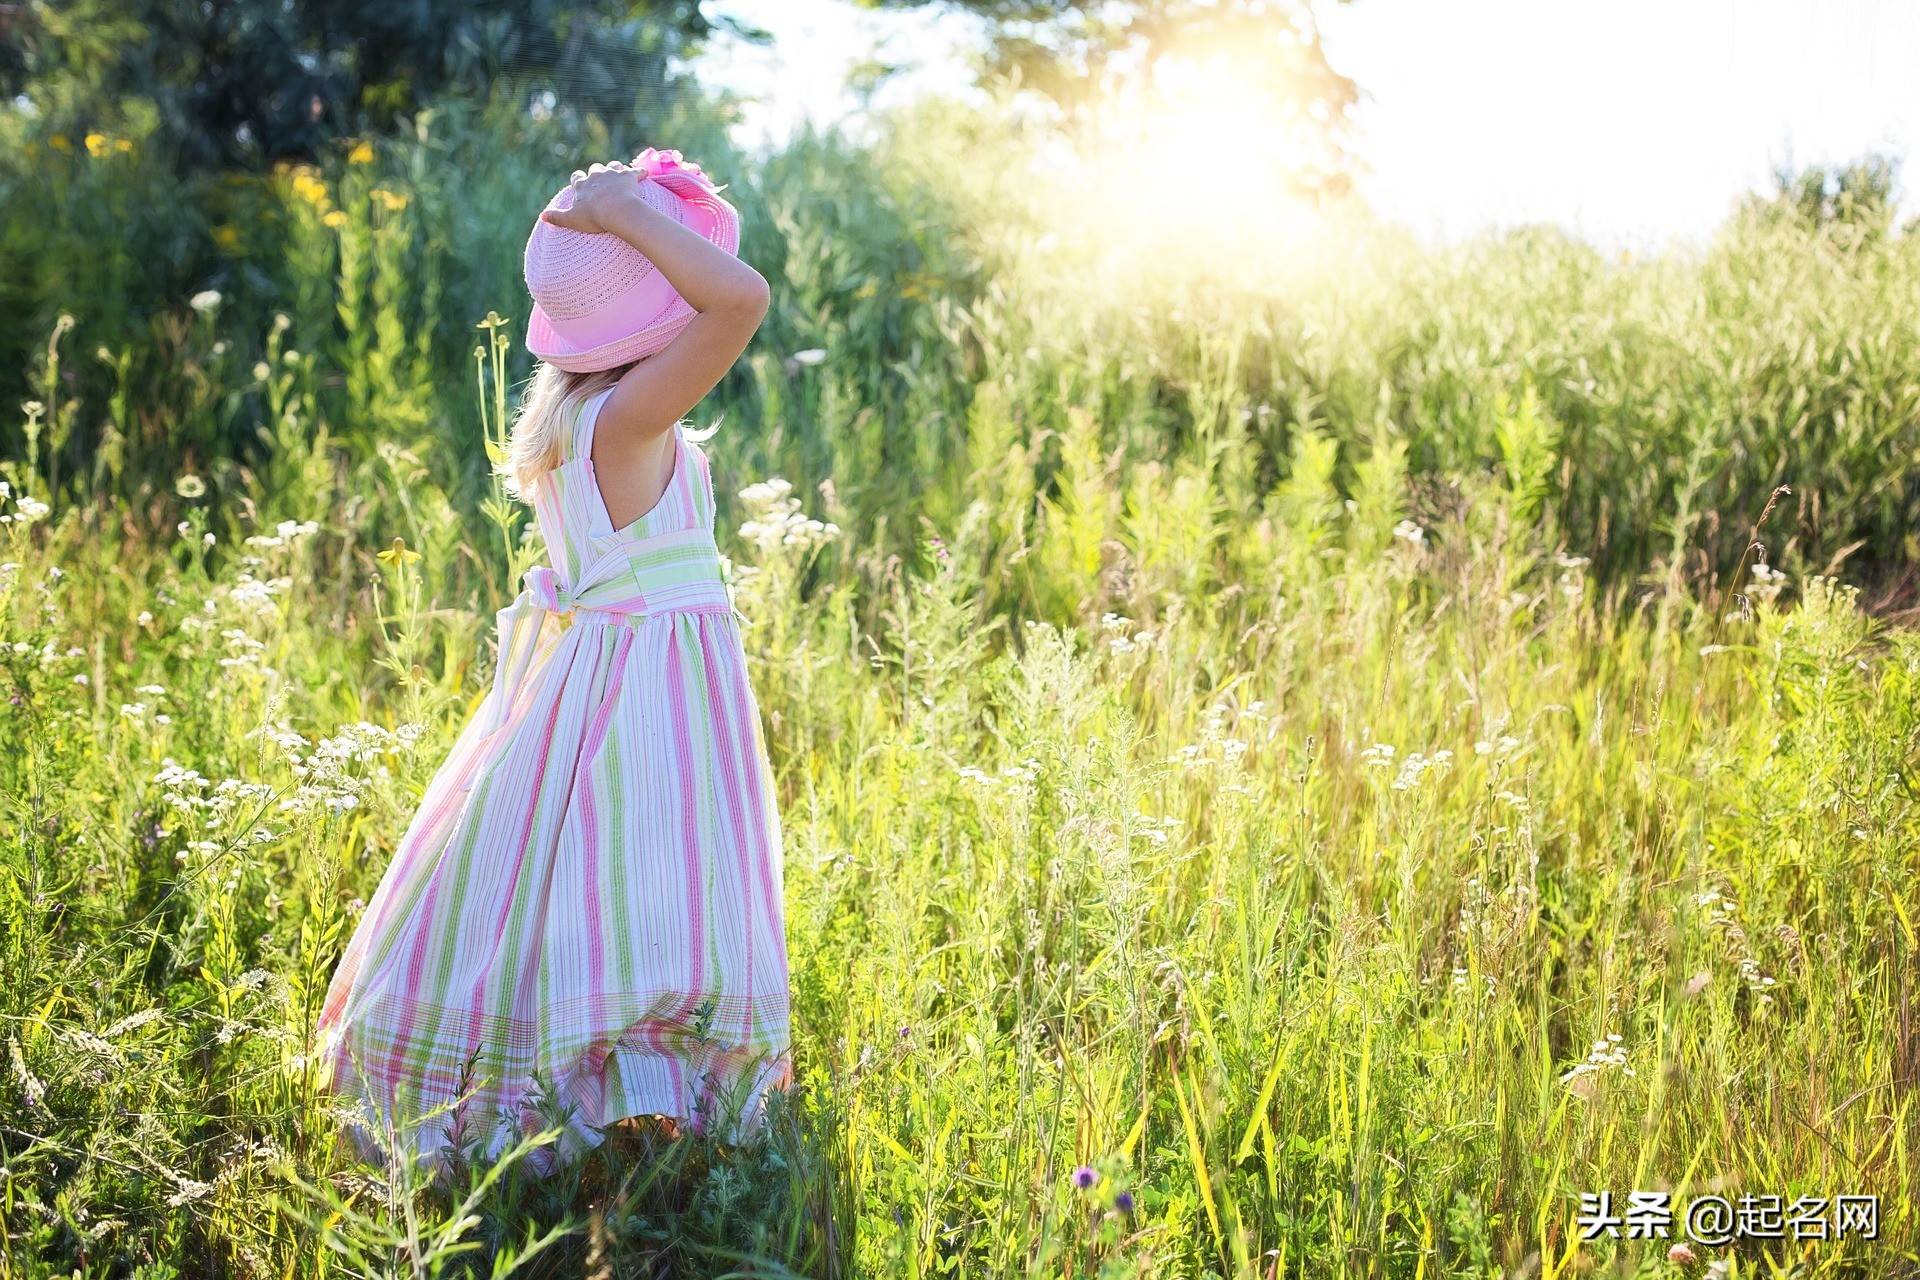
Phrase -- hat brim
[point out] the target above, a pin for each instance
(698, 208)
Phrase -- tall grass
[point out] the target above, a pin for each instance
(1286, 891)
(1209, 755)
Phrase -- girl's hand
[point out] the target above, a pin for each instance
(598, 194)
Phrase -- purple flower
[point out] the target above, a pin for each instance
(1084, 1177)
(1124, 1202)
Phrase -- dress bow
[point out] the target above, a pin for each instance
(545, 592)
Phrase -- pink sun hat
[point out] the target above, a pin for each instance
(598, 302)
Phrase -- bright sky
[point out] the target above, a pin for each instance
(1628, 121)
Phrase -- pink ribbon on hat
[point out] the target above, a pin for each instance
(661, 165)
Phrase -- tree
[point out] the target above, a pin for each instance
(1076, 51)
(237, 82)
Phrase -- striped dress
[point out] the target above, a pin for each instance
(585, 914)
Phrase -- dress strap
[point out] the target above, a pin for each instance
(580, 429)
(700, 484)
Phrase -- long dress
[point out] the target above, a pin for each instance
(584, 918)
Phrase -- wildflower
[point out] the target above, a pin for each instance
(310, 188)
(361, 154)
(1380, 753)
(1409, 532)
(388, 200)
(811, 356)
(398, 554)
(779, 522)
(1416, 766)
(205, 301)
(1681, 1255)
(190, 486)
(189, 1190)
(334, 219)
(1606, 1052)
(97, 145)
(1084, 1177)
(1124, 1202)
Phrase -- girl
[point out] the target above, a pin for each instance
(585, 916)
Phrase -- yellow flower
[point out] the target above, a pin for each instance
(122, 145)
(309, 188)
(227, 236)
(362, 154)
(388, 200)
(97, 145)
(398, 553)
(59, 142)
(335, 219)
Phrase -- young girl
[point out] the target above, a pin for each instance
(587, 908)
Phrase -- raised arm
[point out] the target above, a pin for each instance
(729, 297)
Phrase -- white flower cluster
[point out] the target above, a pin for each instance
(1768, 582)
(1410, 533)
(1412, 770)
(1118, 640)
(137, 712)
(189, 791)
(284, 534)
(1721, 915)
(1015, 777)
(52, 655)
(328, 780)
(777, 522)
(251, 595)
(243, 650)
(1416, 766)
(1572, 576)
(1217, 745)
(1607, 1052)
(26, 509)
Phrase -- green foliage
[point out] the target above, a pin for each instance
(1289, 910)
(239, 84)
(1674, 392)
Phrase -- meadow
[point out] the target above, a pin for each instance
(1297, 767)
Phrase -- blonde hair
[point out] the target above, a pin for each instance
(539, 425)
